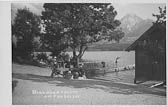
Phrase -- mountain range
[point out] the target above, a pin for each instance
(134, 26)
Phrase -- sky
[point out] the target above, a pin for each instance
(143, 10)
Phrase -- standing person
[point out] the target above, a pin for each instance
(116, 62)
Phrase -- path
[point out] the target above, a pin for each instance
(32, 85)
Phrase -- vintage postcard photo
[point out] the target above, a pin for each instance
(108, 53)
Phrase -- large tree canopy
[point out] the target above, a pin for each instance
(76, 25)
(25, 28)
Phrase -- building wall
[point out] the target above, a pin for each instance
(146, 69)
(143, 65)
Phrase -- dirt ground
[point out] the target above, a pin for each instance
(34, 86)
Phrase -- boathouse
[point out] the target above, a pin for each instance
(150, 54)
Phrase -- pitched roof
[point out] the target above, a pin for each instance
(146, 34)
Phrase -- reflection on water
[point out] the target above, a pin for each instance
(121, 76)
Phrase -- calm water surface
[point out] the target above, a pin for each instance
(126, 58)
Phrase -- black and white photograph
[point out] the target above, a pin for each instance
(84, 53)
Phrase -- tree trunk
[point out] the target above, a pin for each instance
(74, 52)
(76, 58)
(82, 51)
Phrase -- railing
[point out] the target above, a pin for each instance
(96, 68)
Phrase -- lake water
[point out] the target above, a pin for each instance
(126, 58)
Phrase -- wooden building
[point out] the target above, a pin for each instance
(150, 54)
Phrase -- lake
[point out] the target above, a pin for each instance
(126, 58)
(109, 57)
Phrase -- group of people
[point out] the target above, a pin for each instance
(71, 73)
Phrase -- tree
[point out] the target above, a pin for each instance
(25, 28)
(116, 35)
(161, 17)
(77, 25)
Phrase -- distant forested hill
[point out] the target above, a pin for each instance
(107, 47)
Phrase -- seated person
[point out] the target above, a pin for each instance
(81, 71)
(69, 75)
(55, 70)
